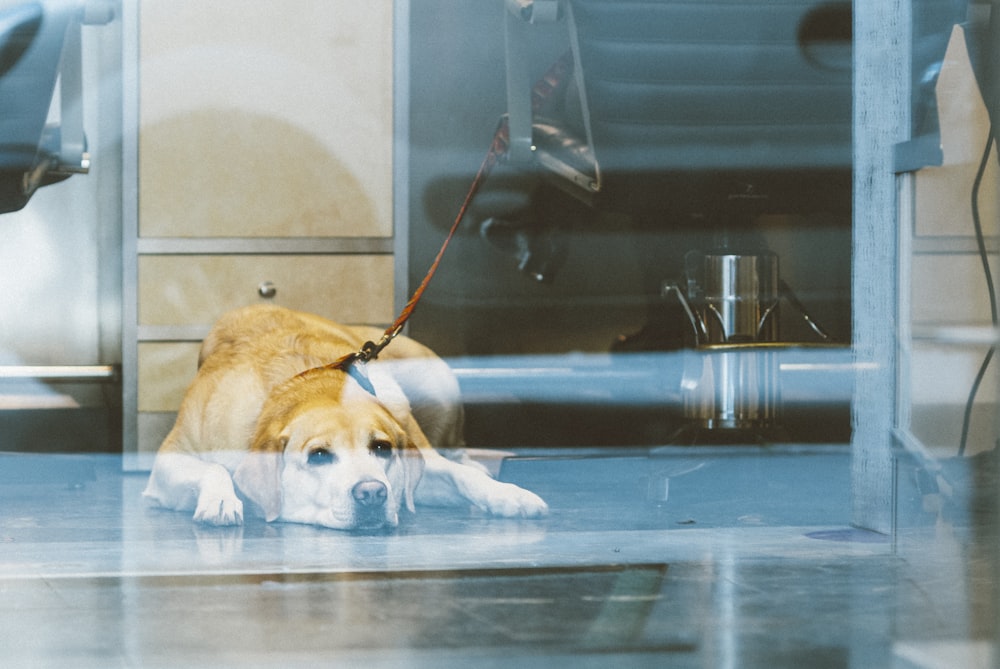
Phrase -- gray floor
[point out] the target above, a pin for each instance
(699, 557)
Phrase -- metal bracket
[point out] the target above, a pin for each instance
(65, 151)
(519, 15)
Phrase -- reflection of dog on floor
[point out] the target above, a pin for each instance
(304, 443)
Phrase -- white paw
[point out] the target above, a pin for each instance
(511, 501)
(219, 510)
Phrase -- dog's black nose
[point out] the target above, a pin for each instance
(369, 493)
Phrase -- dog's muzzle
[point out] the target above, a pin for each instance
(368, 494)
(369, 503)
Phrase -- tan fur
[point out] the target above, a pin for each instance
(262, 401)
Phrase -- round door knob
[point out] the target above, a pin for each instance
(267, 289)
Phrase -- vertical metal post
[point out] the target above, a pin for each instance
(881, 120)
(130, 233)
(401, 152)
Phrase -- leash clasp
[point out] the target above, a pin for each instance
(370, 350)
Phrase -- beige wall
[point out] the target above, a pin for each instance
(948, 286)
(268, 119)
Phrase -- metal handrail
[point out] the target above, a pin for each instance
(81, 373)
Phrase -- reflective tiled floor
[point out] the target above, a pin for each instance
(652, 557)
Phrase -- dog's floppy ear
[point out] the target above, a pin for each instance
(413, 468)
(258, 476)
(412, 459)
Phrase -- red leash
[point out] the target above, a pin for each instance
(540, 93)
(498, 149)
(370, 350)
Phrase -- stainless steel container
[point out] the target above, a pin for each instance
(732, 386)
(730, 378)
(740, 298)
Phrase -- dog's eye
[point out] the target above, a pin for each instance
(320, 456)
(380, 448)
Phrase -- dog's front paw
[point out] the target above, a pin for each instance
(511, 501)
(217, 501)
(214, 510)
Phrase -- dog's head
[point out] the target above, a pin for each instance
(329, 454)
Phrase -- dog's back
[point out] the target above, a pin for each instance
(277, 343)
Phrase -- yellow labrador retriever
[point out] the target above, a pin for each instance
(265, 422)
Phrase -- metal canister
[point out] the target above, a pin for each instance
(732, 386)
(739, 298)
